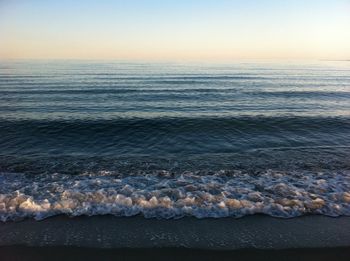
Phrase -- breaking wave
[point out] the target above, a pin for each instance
(168, 195)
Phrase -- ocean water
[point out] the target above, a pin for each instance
(169, 140)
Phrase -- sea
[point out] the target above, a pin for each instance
(174, 139)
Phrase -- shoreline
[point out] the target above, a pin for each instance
(131, 238)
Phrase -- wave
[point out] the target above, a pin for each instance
(302, 94)
(142, 78)
(170, 135)
(185, 92)
(163, 195)
(178, 124)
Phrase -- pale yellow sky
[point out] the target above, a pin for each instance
(156, 30)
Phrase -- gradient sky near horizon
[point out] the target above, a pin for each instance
(175, 29)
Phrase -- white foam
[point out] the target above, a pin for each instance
(167, 196)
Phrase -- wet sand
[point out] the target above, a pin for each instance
(255, 237)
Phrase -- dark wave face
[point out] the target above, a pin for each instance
(169, 140)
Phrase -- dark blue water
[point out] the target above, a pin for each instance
(64, 120)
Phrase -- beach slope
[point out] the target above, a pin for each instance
(255, 237)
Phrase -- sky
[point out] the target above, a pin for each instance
(175, 29)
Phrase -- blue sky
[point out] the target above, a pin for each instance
(175, 29)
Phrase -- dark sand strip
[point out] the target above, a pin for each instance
(134, 238)
(168, 254)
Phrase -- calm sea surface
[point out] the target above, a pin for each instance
(170, 140)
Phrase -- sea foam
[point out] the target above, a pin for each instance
(168, 195)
